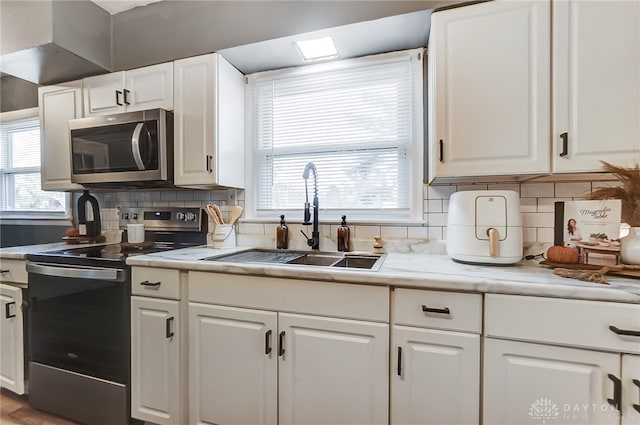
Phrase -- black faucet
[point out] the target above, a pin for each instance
(314, 240)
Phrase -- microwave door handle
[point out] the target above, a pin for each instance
(135, 146)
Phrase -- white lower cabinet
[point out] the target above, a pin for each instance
(157, 347)
(561, 361)
(435, 358)
(252, 361)
(525, 382)
(435, 377)
(154, 354)
(11, 339)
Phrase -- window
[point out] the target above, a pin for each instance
(21, 195)
(358, 120)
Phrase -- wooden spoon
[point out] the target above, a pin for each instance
(236, 212)
(211, 212)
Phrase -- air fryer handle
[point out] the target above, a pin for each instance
(494, 242)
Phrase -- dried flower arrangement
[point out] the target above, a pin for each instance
(628, 192)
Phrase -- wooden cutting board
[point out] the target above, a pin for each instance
(635, 274)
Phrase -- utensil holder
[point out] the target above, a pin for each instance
(223, 236)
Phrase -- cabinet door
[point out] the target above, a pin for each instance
(489, 88)
(630, 389)
(332, 371)
(209, 139)
(58, 104)
(435, 377)
(193, 120)
(149, 88)
(155, 360)
(596, 80)
(103, 94)
(233, 375)
(524, 381)
(12, 339)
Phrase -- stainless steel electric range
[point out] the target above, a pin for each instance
(80, 320)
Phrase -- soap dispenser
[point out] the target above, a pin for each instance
(343, 235)
(282, 234)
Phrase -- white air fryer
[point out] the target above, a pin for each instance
(485, 227)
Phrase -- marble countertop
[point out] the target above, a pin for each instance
(21, 252)
(425, 271)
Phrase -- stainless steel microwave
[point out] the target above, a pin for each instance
(132, 149)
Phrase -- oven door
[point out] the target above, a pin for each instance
(121, 148)
(80, 319)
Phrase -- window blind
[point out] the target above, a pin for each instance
(355, 123)
(20, 186)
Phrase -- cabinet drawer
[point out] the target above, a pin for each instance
(436, 309)
(13, 271)
(152, 282)
(559, 321)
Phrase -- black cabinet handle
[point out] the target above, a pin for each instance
(5, 271)
(399, 361)
(441, 143)
(118, 93)
(281, 344)
(267, 342)
(208, 163)
(565, 144)
(623, 331)
(617, 392)
(436, 310)
(7, 310)
(637, 384)
(126, 92)
(147, 283)
(168, 323)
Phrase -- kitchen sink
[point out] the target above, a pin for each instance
(346, 260)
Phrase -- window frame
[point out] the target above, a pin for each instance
(411, 215)
(27, 217)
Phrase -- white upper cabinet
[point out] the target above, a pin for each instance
(128, 91)
(58, 104)
(596, 84)
(209, 123)
(489, 90)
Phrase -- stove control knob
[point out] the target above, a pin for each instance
(190, 216)
(134, 216)
(180, 216)
(125, 216)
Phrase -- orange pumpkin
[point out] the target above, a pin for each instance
(562, 254)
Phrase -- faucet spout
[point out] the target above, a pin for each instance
(314, 240)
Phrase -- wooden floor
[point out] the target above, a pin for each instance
(14, 410)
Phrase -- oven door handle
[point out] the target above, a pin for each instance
(78, 273)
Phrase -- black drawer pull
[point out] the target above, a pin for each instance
(441, 143)
(623, 331)
(637, 384)
(617, 392)
(118, 93)
(399, 361)
(7, 310)
(168, 331)
(267, 342)
(5, 271)
(436, 310)
(281, 344)
(207, 163)
(126, 92)
(147, 283)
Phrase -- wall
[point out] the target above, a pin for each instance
(216, 25)
(536, 205)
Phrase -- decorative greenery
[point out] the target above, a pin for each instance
(628, 192)
(598, 236)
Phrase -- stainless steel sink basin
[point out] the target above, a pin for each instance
(346, 260)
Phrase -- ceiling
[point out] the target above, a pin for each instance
(117, 6)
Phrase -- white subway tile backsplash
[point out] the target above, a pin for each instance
(597, 185)
(529, 234)
(573, 189)
(418, 232)
(537, 220)
(367, 232)
(436, 233)
(168, 195)
(437, 219)
(184, 195)
(434, 205)
(472, 187)
(394, 232)
(537, 190)
(506, 186)
(545, 235)
(546, 204)
(528, 205)
(440, 192)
